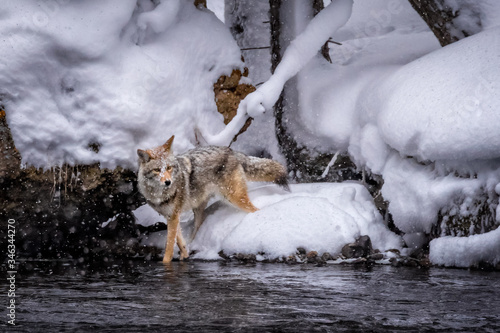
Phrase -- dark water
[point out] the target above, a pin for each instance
(215, 296)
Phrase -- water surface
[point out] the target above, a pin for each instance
(136, 296)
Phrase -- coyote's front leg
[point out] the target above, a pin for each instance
(174, 233)
(172, 229)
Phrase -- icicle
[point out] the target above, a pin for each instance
(330, 164)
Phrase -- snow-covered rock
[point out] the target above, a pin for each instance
(444, 106)
(118, 75)
(319, 217)
(466, 251)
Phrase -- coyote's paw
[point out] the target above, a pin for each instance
(167, 259)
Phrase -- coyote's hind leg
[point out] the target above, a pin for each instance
(181, 243)
(199, 217)
(234, 188)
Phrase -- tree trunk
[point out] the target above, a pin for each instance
(305, 164)
(441, 17)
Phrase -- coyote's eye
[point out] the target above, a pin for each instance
(157, 170)
(169, 168)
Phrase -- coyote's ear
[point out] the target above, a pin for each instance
(168, 145)
(144, 156)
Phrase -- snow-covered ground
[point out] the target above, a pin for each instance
(318, 217)
(119, 75)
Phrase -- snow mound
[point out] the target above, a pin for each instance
(318, 227)
(92, 81)
(433, 111)
(466, 251)
(319, 217)
(430, 129)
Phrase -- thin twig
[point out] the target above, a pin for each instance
(242, 130)
(256, 48)
(334, 42)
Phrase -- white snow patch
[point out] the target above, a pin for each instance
(147, 216)
(453, 114)
(321, 217)
(119, 74)
(466, 251)
(416, 193)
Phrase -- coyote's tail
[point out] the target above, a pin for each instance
(264, 170)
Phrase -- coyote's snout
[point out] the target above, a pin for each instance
(173, 184)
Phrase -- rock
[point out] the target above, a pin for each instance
(59, 216)
(59, 211)
(395, 262)
(326, 256)
(410, 262)
(241, 257)
(359, 261)
(395, 251)
(291, 260)
(361, 248)
(311, 256)
(223, 255)
(229, 92)
(301, 250)
(250, 257)
(377, 256)
(425, 262)
(320, 262)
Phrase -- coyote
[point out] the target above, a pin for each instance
(173, 184)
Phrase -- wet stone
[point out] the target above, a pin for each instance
(377, 256)
(359, 261)
(362, 247)
(250, 258)
(301, 250)
(425, 262)
(326, 256)
(223, 255)
(395, 262)
(311, 256)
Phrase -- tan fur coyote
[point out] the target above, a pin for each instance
(173, 184)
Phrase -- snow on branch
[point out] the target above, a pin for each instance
(300, 51)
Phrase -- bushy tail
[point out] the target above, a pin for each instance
(264, 170)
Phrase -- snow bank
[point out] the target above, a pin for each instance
(466, 251)
(416, 193)
(435, 113)
(453, 114)
(378, 38)
(116, 75)
(320, 217)
(423, 117)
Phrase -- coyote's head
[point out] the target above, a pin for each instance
(158, 165)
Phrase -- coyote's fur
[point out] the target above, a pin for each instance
(173, 184)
